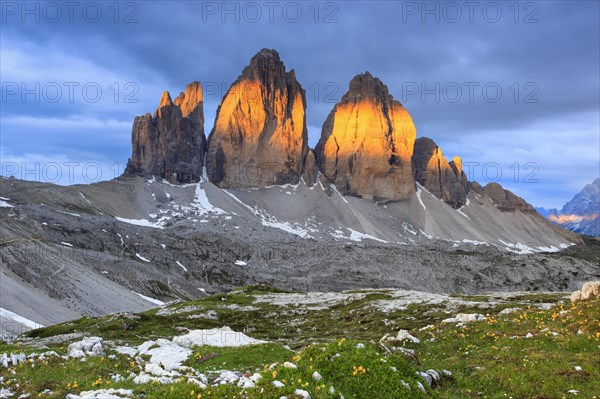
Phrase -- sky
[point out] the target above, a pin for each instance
(511, 87)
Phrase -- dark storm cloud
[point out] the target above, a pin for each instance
(553, 61)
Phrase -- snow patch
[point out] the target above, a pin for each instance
(429, 237)
(83, 196)
(358, 236)
(202, 203)
(474, 242)
(459, 210)
(240, 201)
(72, 214)
(141, 257)
(149, 299)
(334, 188)
(270, 221)
(419, 197)
(240, 263)
(19, 319)
(140, 222)
(518, 248)
(4, 204)
(182, 266)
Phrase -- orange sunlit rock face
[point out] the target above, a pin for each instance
(260, 135)
(367, 142)
(188, 100)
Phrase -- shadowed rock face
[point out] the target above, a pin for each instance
(445, 180)
(259, 137)
(170, 144)
(367, 143)
(503, 199)
(310, 169)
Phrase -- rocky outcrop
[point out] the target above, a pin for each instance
(171, 144)
(367, 143)
(589, 290)
(260, 136)
(311, 171)
(445, 180)
(503, 199)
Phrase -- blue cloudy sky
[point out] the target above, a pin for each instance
(513, 88)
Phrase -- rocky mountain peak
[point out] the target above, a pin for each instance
(444, 179)
(367, 86)
(165, 100)
(171, 144)
(503, 199)
(367, 143)
(260, 136)
(190, 100)
(456, 164)
(586, 202)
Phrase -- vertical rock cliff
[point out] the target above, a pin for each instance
(171, 144)
(367, 143)
(445, 180)
(260, 136)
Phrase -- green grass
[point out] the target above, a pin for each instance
(492, 359)
(489, 359)
(243, 359)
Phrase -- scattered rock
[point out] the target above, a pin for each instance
(509, 311)
(426, 377)
(5, 393)
(434, 375)
(465, 318)
(88, 346)
(404, 335)
(102, 394)
(590, 290)
(217, 337)
(302, 393)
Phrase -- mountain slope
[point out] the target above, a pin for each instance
(582, 213)
(94, 249)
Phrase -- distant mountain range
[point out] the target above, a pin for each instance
(581, 214)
